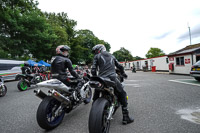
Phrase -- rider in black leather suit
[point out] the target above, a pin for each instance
(60, 63)
(106, 64)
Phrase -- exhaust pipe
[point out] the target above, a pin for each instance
(40, 94)
(55, 94)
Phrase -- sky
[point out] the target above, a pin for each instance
(136, 25)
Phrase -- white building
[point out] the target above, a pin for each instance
(181, 61)
(159, 63)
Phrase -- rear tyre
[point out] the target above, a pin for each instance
(98, 122)
(3, 90)
(22, 85)
(49, 113)
(198, 79)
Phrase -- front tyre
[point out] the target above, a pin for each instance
(197, 78)
(50, 113)
(22, 85)
(98, 122)
(3, 90)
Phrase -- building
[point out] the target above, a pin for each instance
(159, 63)
(181, 61)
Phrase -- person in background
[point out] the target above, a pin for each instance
(26, 68)
(36, 69)
(43, 69)
(87, 69)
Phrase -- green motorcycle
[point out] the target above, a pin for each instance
(26, 80)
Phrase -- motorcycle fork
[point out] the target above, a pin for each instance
(111, 111)
(112, 107)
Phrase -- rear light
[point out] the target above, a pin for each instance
(192, 66)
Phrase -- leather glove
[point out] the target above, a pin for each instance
(124, 75)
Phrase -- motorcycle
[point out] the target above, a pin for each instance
(3, 88)
(61, 99)
(133, 70)
(105, 106)
(26, 80)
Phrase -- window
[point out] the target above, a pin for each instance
(167, 60)
(180, 61)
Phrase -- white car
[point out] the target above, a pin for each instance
(195, 71)
(10, 74)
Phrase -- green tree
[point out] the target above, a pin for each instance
(137, 58)
(63, 29)
(123, 55)
(23, 29)
(82, 46)
(154, 52)
(27, 32)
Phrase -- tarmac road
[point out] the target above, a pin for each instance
(158, 105)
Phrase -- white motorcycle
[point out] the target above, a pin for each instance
(61, 99)
(3, 88)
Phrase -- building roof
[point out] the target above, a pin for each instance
(187, 49)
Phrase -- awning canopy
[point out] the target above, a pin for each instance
(44, 63)
(33, 63)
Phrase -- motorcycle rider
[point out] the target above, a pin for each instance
(43, 69)
(26, 69)
(60, 63)
(106, 64)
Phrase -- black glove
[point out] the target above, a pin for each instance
(124, 75)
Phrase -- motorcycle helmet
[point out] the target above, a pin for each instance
(98, 48)
(63, 50)
(26, 63)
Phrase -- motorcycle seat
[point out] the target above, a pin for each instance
(109, 83)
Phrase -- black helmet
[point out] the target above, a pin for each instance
(98, 48)
(60, 50)
(26, 63)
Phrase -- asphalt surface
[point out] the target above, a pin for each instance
(157, 104)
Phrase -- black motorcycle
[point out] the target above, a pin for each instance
(105, 106)
(26, 80)
(133, 70)
(3, 88)
(61, 99)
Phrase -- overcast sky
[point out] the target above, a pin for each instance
(136, 25)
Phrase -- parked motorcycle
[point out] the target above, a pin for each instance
(105, 106)
(133, 70)
(26, 80)
(61, 99)
(3, 88)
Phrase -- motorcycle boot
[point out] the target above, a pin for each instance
(126, 118)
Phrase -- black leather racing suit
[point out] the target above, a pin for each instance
(106, 64)
(59, 64)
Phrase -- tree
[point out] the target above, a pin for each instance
(154, 52)
(24, 30)
(123, 55)
(137, 58)
(82, 46)
(27, 32)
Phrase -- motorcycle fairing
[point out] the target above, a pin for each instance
(54, 84)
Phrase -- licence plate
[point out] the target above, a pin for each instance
(198, 69)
